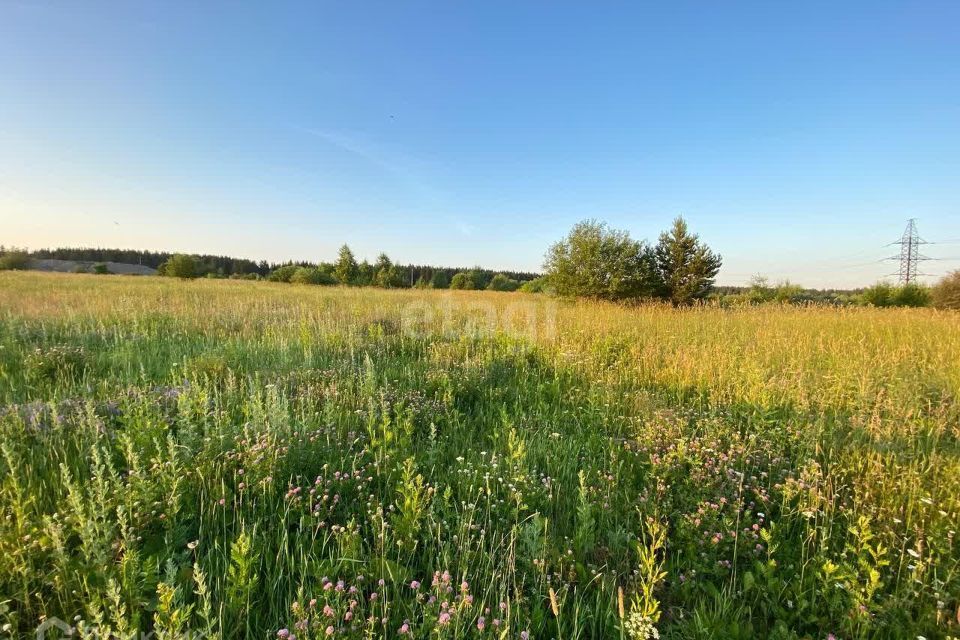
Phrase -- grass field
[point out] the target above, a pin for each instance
(243, 459)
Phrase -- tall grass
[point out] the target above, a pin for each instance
(239, 459)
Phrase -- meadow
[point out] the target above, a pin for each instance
(229, 459)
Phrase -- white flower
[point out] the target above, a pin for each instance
(640, 627)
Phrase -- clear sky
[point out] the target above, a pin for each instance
(796, 138)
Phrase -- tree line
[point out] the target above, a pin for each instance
(592, 261)
(347, 270)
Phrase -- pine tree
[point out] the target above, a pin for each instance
(686, 266)
(346, 269)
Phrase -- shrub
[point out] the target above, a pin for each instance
(439, 280)
(282, 274)
(594, 261)
(462, 280)
(180, 266)
(946, 293)
(307, 275)
(537, 285)
(879, 295)
(100, 269)
(911, 295)
(501, 282)
(14, 260)
(884, 294)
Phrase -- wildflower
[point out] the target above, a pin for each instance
(444, 618)
(414, 584)
(524, 635)
(329, 630)
(640, 627)
(283, 634)
(404, 629)
(481, 623)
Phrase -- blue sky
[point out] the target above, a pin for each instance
(796, 138)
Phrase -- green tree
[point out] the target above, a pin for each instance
(537, 285)
(308, 275)
(14, 260)
(594, 261)
(462, 280)
(912, 295)
(788, 292)
(389, 276)
(346, 269)
(686, 266)
(180, 266)
(365, 274)
(439, 280)
(946, 293)
(283, 274)
(500, 282)
(759, 290)
(879, 295)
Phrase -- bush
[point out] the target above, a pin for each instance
(911, 295)
(439, 280)
(884, 294)
(501, 282)
(594, 261)
(464, 280)
(537, 285)
(180, 266)
(100, 269)
(14, 260)
(879, 295)
(946, 293)
(282, 274)
(307, 275)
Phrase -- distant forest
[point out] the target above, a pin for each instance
(226, 266)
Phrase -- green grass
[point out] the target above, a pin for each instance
(216, 456)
